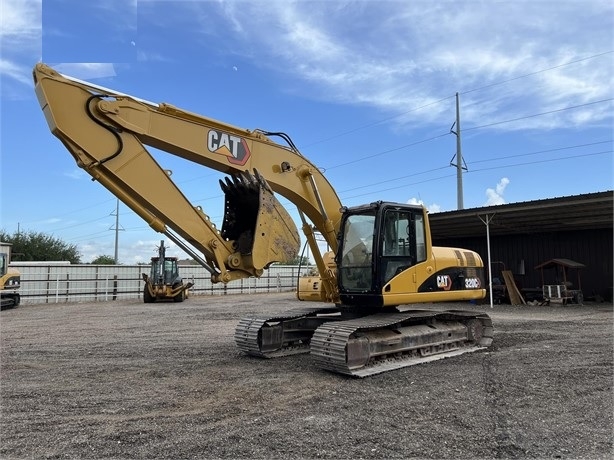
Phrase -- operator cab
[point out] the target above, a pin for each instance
(165, 271)
(377, 242)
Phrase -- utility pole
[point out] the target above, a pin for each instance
(486, 220)
(116, 259)
(459, 158)
(117, 228)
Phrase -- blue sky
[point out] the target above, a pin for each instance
(366, 90)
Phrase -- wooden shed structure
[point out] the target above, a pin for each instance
(524, 235)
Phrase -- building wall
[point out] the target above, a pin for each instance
(593, 248)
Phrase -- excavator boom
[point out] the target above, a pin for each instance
(107, 133)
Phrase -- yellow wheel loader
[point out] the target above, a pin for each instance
(163, 281)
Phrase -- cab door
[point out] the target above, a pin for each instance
(402, 248)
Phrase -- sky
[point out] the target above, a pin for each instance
(365, 89)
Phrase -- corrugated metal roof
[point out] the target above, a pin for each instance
(577, 212)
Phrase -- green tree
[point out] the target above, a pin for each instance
(38, 246)
(104, 260)
(299, 260)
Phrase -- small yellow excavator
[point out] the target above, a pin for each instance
(163, 281)
(10, 279)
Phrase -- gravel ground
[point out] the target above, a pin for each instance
(133, 380)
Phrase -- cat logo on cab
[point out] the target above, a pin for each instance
(444, 282)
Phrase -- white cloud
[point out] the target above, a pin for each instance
(16, 72)
(432, 208)
(51, 220)
(87, 70)
(396, 56)
(20, 34)
(76, 174)
(495, 196)
(151, 56)
(20, 22)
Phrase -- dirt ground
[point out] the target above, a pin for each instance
(165, 380)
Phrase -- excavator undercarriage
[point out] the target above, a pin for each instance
(360, 346)
(286, 334)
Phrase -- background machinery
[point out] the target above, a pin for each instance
(381, 257)
(9, 279)
(164, 281)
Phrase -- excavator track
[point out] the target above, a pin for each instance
(286, 334)
(386, 341)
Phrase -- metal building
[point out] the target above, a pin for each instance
(527, 234)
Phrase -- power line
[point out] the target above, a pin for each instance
(540, 114)
(80, 238)
(79, 224)
(470, 171)
(558, 149)
(536, 72)
(360, 128)
(285, 202)
(74, 211)
(394, 149)
(395, 179)
(388, 151)
(543, 161)
(490, 85)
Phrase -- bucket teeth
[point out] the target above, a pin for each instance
(244, 182)
(261, 180)
(238, 186)
(224, 186)
(250, 181)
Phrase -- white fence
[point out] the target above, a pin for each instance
(55, 283)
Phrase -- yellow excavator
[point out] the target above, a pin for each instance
(381, 256)
(10, 279)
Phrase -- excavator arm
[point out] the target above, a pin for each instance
(107, 133)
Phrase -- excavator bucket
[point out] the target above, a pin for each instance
(257, 223)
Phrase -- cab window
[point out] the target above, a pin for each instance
(356, 268)
(403, 242)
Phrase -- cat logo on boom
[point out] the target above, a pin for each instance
(234, 148)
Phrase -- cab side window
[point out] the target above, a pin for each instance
(404, 242)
